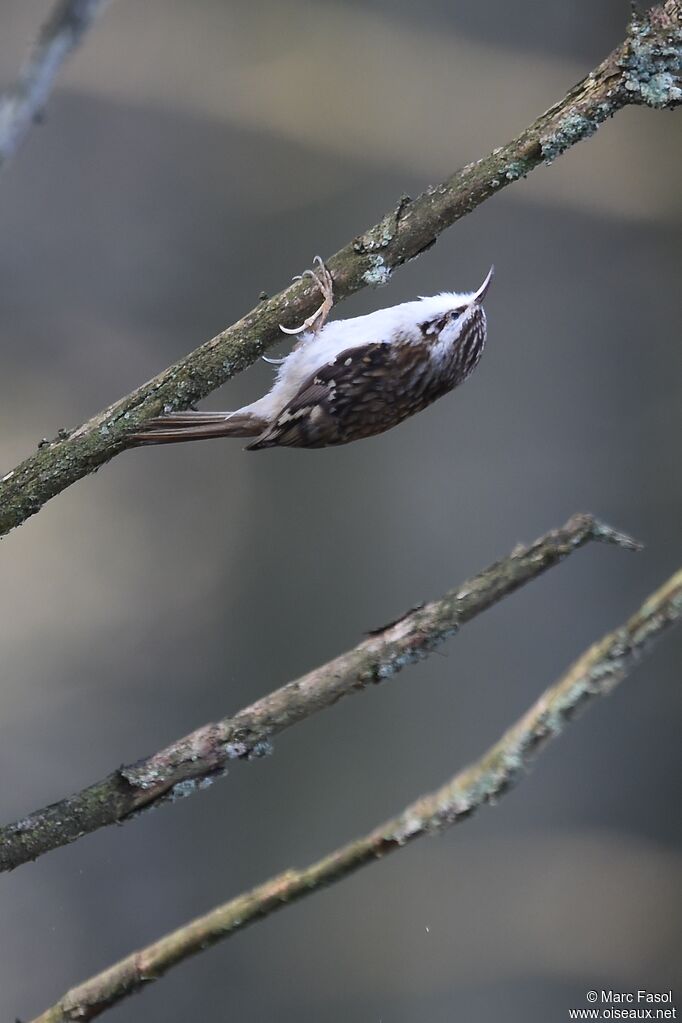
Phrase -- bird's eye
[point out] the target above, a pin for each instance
(455, 314)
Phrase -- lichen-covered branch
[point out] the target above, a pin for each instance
(25, 102)
(601, 668)
(196, 759)
(645, 69)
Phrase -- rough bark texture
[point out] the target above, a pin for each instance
(194, 761)
(645, 69)
(602, 667)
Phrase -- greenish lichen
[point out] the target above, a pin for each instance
(516, 169)
(571, 129)
(653, 65)
(182, 789)
(410, 824)
(378, 237)
(237, 749)
(262, 748)
(658, 90)
(395, 664)
(378, 273)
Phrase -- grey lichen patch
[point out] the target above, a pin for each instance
(411, 824)
(515, 169)
(607, 534)
(247, 748)
(603, 677)
(378, 273)
(652, 624)
(263, 748)
(378, 237)
(562, 706)
(659, 90)
(514, 762)
(182, 789)
(189, 786)
(27, 824)
(653, 64)
(571, 129)
(237, 749)
(395, 664)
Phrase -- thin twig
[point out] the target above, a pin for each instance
(192, 762)
(25, 102)
(601, 668)
(644, 69)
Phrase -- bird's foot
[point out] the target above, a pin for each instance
(323, 280)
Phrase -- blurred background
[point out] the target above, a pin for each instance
(193, 155)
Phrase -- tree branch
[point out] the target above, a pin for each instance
(193, 761)
(25, 101)
(645, 69)
(601, 668)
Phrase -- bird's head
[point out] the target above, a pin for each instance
(452, 314)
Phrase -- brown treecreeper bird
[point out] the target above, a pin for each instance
(349, 379)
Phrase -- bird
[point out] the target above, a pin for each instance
(345, 380)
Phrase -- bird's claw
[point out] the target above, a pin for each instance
(323, 279)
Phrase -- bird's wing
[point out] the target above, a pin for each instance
(336, 403)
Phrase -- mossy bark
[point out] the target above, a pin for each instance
(645, 69)
(194, 761)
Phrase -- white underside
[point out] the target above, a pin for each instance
(400, 322)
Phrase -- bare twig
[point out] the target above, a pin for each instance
(25, 101)
(195, 760)
(644, 69)
(601, 668)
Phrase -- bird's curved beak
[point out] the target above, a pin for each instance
(481, 293)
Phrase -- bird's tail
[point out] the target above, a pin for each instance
(182, 426)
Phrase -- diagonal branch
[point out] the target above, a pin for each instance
(25, 102)
(601, 668)
(192, 762)
(645, 69)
